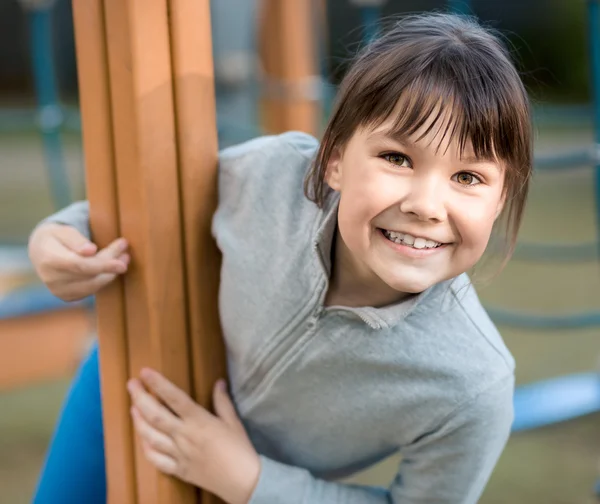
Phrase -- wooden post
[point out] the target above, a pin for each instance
(197, 147)
(291, 82)
(160, 118)
(95, 103)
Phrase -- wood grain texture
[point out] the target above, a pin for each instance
(101, 186)
(193, 81)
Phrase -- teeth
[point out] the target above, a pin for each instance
(406, 239)
(419, 243)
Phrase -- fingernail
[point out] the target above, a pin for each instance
(221, 384)
(146, 373)
(87, 247)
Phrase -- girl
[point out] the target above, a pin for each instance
(351, 326)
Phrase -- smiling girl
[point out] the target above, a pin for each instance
(351, 327)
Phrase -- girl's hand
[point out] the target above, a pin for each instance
(70, 265)
(185, 440)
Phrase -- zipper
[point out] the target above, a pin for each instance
(273, 357)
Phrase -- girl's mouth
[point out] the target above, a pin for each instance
(408, 240)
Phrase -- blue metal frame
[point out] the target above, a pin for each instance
(594, 37)
(370, 19)
(460, 6)
(50, 115)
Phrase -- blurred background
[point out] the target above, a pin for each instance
(546, 302)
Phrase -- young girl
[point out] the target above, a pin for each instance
(351, 327)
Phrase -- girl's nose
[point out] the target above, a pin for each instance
(425, 199)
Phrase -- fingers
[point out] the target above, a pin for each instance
(156, 440)
(162, 462)
(224, 407)
(157, 415)
(83, 288)
(75, 241)
(112, 259)
(114, 249)
(175, 398)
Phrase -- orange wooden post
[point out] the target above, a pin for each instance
(98, 145)
(291, 83)
(193, 80)
(160, 106)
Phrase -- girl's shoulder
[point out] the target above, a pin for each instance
(454, 312)
(261, 191)
(286, 147)
(267, 174)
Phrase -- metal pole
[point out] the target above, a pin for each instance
(50, 115)
(460, 6)
(370, 13)
(594, 38)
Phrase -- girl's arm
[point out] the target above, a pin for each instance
(76, 215)
(449, 465)
(65, 259)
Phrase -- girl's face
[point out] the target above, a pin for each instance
(412, 212)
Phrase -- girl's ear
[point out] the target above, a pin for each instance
(501, 204)
(333, 172)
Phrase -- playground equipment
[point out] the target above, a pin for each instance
(145, 71)
(291, 92)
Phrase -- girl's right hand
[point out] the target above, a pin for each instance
(70, 265)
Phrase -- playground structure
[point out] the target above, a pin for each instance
(291, 103)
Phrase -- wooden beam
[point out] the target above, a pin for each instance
(98, 146)
(151, 153)
(193, 80)
(139, 55)
(288, 49)
(43, 347)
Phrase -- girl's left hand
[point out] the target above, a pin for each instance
(209, 451)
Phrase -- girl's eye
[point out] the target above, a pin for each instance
(397, 159)
(467, 179)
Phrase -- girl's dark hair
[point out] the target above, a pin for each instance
(438, 63)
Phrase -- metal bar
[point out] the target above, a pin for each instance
(532, 321)
(50, 116)
(460, 6)
(557, 252)
(371, 22)
(594, 37)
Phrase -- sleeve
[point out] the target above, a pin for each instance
(77, 215)
(450, 465)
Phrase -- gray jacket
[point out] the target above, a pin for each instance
(327, 391)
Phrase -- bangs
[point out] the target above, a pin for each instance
(455, 108)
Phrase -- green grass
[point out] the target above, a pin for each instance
(27, 419)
